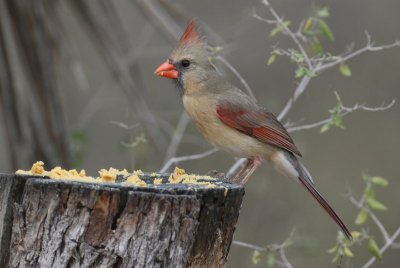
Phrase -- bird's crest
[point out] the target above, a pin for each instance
(192, 44)
(191, 34)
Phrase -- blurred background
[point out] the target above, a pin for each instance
(77, 89)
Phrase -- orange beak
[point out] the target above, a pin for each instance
(167, 70)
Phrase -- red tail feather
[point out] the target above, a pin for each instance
(322, 202)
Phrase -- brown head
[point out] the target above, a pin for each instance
(188, 63)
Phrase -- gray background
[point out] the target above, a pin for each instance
(273, 205)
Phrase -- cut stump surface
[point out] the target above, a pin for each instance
(60, 223)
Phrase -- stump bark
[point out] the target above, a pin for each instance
(56, 223)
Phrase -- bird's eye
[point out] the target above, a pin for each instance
(185, 63)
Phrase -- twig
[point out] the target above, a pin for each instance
(273, 248)
(263, 249)
(237, 74)
(285, 259)
(381, 227)
(123, 125)
(306, 79)
(369, 47)
(250, 246)
(316, 65)
(298, 91)
(160, 18)
(389, 240)
(177, 136)
(322, 67)
(282, 248)
(388, 243)
(176, 160)
(136, 142)
(343, 112)
(279, 21)
(112, 43)
(235, 167)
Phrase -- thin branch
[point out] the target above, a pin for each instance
(388, 243)
(299, 32)
(298, 91)
(250, 246)
(306, 79)
(344, 111)
(374, 109)
(176, 160)
(301, 88)
(237, 74)
(280, 22)
(381, 227)
(112, 44)
(368, 47)
(282, 248)
(235, 167)
(177, 136)
(136, 142)
(389, 240)
(123, 125)
(160, 18)
(315, 65)
(310, 126)
(284, 258)
(272, 248)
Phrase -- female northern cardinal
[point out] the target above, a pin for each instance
(231, 120)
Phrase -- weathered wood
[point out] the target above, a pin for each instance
(55, 223)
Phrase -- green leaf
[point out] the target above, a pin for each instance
(279, 28)
(326, 30)
(257, 256)
(375, 204)
(336, 258)
(317, 47)
(348, 252)
(365, 176)
(309, 73)
(380, 181)
(345, 70)
(337, 121)
(325, 128)
(308, 25)
(270, 260)
(369, 193)
(271, 59)
(300, 72)
(374, 249)
(355, 235)
(362, 217)
(215, 49)
(322, 12)
(332, 250)
(340, 251)
(296, 56)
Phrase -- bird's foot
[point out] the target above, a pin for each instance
(248, 169)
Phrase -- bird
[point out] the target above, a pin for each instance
(233, 121)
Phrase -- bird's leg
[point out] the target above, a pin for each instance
(245, 173)
(239, 174)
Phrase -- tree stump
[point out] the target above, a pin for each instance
(58, 223)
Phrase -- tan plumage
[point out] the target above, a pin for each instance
(232, 121)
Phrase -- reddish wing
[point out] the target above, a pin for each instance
(259, 124)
